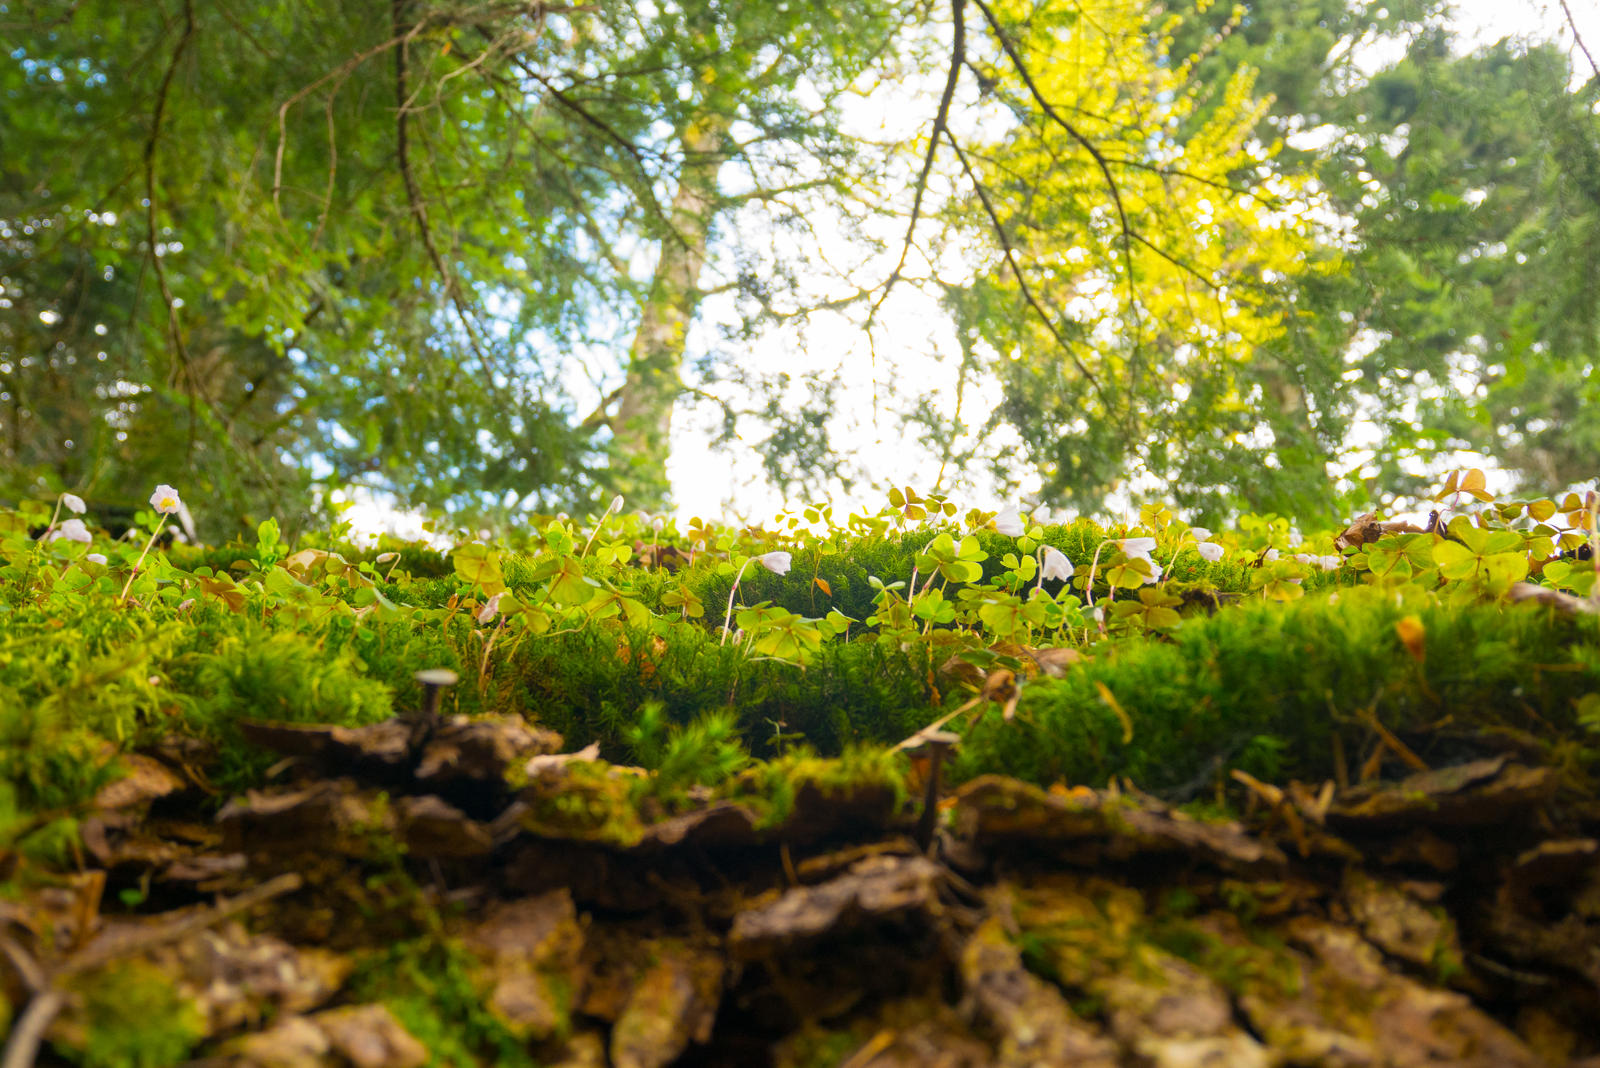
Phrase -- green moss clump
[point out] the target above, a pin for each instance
(427, 983)
(1266, 688)
(132, 1017)
(281, 677)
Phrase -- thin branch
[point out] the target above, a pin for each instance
(941, 120)
(1022, 282)
(1572, 22)
(1073, 132)
(419, 208)
(152, 236)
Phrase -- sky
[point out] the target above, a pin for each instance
(728, 482)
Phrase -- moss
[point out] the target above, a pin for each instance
(1267, 687)
(132, 1017)
(428, 984)
(589, 801)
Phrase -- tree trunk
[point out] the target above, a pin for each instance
(642, 424)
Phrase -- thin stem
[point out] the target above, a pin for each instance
(154, 534)
(616, 502)
(727, 619)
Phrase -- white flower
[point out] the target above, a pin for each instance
(1009, 522)
(1330, 563)
(72, 503)
(1137, 548)
(165, 500)
(778, 562)
(73, 530)
(1210, 551)
(616, 504)
(384, 558)
(1305, 558)
(1200, 533)
(96, 558)
(1155, 569)
(490, 609)
(1056, 564)
(1270, 554)
(185, 605)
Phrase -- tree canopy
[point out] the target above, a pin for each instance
(457, 249)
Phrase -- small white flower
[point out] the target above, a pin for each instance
(1137, 548)
(1305, 558)
(72, 503)
(1270, 555)
(96, 558)
(1155, 569)
(1056, 564)
(490, 609)
(73, 530)
(384, 558)
(185, 605)
(154, 680)
(1009, 522)
(616, 504)
(1200, 533)
(658, 524)
(165, 500)
(1210, 551)
(1330, 563)
(778, 562)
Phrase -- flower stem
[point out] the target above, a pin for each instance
(727, 620)
(598, 523)
(154, 534)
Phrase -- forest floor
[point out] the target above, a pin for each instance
(388, 901)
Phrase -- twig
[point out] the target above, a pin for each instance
(1572, 22)
(162, 92)
(941, 119)
(48, 999)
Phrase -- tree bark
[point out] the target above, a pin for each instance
(642, 424)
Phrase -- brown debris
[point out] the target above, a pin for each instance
(1480, 793)
(533, 949)
(1033, 1022)
(993, 811)
(1401, 925)
(872, 889)
(368, 1036)
(481, 749)
(673, 1002)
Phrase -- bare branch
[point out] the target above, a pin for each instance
(941, 119)
(1010, 49)
(1022, 281)
(1572, 22)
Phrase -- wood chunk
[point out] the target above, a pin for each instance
(533, 947)
(872, 889)
(1477, 794)
(432, 827)
(481, 749)
(368, 1036)
(673, 1002)
(1031, 1019)
(995, 811)
(1399, 924)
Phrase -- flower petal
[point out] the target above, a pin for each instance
(72, 530)
(72, 503)
(1056, 564)
(165, 500)
(1009, 522)
(1210, 551)
(778, 562)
